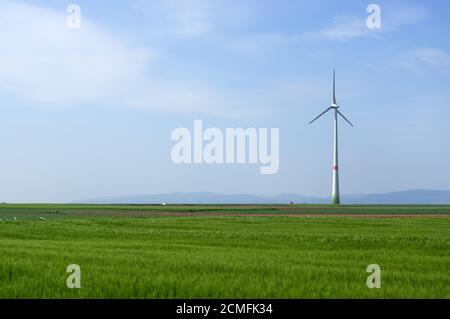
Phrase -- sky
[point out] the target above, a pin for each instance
(88, 112)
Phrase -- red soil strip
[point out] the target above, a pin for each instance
(231, 214)
(310, 208)
(303, 215)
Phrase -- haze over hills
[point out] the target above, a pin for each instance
(400, 197)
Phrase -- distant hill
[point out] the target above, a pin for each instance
(401, 197)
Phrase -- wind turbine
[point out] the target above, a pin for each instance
(334, 106)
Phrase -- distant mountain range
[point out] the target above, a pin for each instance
(401, 197)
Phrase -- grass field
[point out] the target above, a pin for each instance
(143, 251)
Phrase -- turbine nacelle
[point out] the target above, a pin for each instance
(334, 106)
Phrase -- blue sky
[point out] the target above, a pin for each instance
(89, 112)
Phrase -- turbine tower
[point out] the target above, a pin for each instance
(334, 106)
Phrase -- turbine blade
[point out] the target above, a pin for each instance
(345, 118)
(334, 87)
(320, 114)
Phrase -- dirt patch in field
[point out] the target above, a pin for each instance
(231, 214)
(305, 215)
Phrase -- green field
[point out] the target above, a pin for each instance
(132, 251)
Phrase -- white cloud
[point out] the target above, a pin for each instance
(178, 17)
(423, 60)
(347, 27)
(199, 97)
(400, 16)
(46, 64)
(43, 61)
(344, 28)
(193, 18)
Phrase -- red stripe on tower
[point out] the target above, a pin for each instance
(335, 168)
